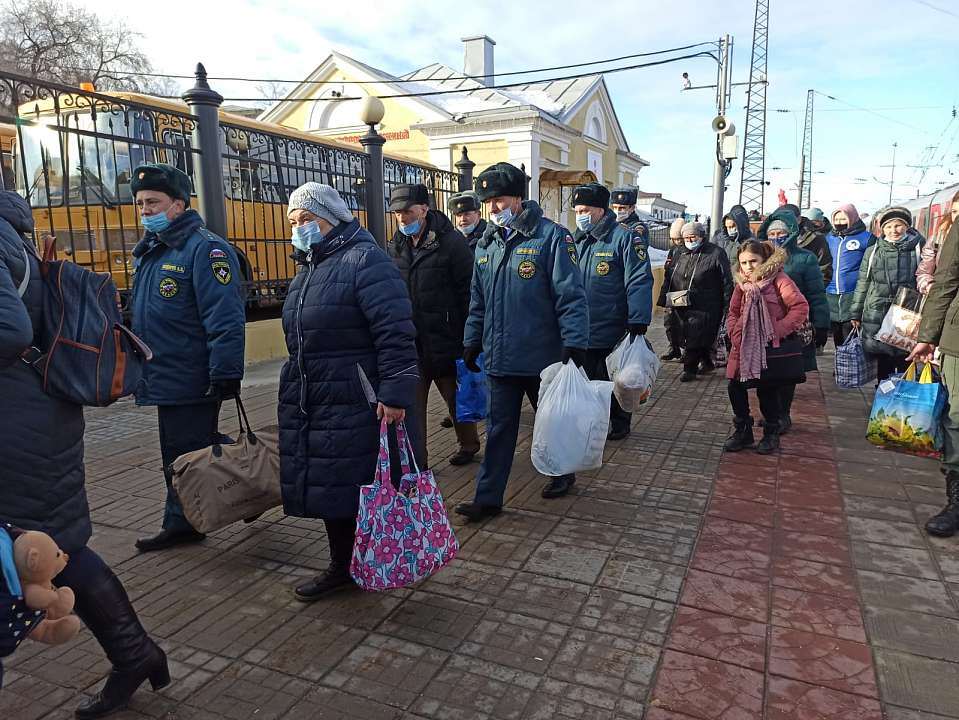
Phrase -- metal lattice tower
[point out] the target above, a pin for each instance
(752, 186)
(805, 189)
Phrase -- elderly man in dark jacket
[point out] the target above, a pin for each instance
(188, 307)
(349, 331)
(436, 264)
(42, 478)
(618, 281)
(465, 209)
(528, 310)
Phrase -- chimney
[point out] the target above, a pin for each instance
(478, 58)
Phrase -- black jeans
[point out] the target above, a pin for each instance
(595, 367)
(886, 365)
(341, 533)
(183, 429)
(768, 401)
(840, 331)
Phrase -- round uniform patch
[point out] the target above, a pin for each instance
(526, 269)
(168, 287)
(852, 245)
(602, 268)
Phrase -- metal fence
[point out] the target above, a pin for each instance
(441, 184)
(659, 237)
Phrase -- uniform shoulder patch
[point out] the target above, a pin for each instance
(640, 251)
(571, 248)
(222, 271)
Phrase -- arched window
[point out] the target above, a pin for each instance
(595, 127)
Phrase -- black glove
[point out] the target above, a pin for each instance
(224, 389)
(637, 329)
(822, 335)
(470, 355)
(577, 355)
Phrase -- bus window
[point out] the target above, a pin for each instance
(42, 166)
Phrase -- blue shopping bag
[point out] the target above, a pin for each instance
(470, 393)
(906, 413)
(853, 369)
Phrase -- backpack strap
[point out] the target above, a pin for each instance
(22, 288)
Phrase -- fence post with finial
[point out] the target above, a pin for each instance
(205, 104)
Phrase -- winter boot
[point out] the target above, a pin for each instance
(946, 523)
(106, 610)
(770, 442)
(335, 577)
(674, 354)
(742, 436)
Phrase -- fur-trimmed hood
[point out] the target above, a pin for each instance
(772, 265)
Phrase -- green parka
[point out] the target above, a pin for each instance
(940, 314)
(885, 268)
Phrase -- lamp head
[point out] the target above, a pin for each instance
(372, 111)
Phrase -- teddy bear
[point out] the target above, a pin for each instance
(38, 560)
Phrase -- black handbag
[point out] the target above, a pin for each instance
(785, 365)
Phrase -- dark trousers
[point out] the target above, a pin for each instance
(886, 365)
(693, 356)
(595, 367)
(466, 433)
(341, 532)
(768, 401)
(786, 395)
(502, 427)
(673, 333)
(183, 429)
(840, 331)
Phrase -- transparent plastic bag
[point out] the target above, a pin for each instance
(632, 368)
(900, 326)
(572, 421)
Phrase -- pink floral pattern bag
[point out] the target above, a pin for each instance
(402, 536)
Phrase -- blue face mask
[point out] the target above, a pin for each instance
(779, 241)
(411, 229)
(306, 235)
(467, 229)
(584, 222)
(155, 223)
(502, 218)
(692, 244)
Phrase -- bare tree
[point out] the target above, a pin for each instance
(61, 42)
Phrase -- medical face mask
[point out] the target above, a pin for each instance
(155, 223)
(621, 215)
(305, 236)
(502, 218)
(467, 229)
(692, 244)
(584, 222)
(411, 229)
(733, 234)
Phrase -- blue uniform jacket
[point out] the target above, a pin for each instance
(847, 253)
(527, 299)
(617, 277)
(188, 307)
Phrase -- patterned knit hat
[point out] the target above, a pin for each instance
(321, 200)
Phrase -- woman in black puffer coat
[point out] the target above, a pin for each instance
(42, 478)
(349, 331)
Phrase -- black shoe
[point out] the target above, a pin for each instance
(558, 486)
(169, 538)
(104, 607)
(618, 434)
(742, 436)
(463, 458)
(474, 512)
(770, 442)
(785, 424)
(673, 354)
(447, 422)
(334, 578)
(946, 522)
(707, 368)
(687, 376)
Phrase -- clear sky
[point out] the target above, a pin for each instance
(898, 58)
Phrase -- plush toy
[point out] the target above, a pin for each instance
(38, 560)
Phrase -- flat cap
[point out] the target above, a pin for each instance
(404, 196)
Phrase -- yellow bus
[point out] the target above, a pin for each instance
(73, 155)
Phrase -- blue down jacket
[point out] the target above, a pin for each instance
(527, 300)
(349, 331)
(41, 455)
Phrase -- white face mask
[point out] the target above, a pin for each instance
(692, 244)
(621, 215)
(502, 218)
(467, 229)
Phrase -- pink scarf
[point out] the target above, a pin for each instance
(758, 329)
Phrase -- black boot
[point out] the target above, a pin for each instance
(170, 538)
(770, 442)
(946, 523)
(742, 436)
(673, 354)
(474, 512)
(558, 486)
(335, 577)
(106, 610)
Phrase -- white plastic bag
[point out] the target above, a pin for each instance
(572, 421)
(632, 367)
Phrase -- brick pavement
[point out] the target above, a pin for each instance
(673, 583)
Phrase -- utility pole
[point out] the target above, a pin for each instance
(805, 175)
(892, 175)
(752, 186)
(722, 95)
(802, 174)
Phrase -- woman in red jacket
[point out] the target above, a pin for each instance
(766, 310)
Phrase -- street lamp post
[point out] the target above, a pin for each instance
(372, 114)
(719, 170)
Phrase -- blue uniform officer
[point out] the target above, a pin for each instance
(619, 285)
(188, 307)
(527, 311)
(622, 201)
